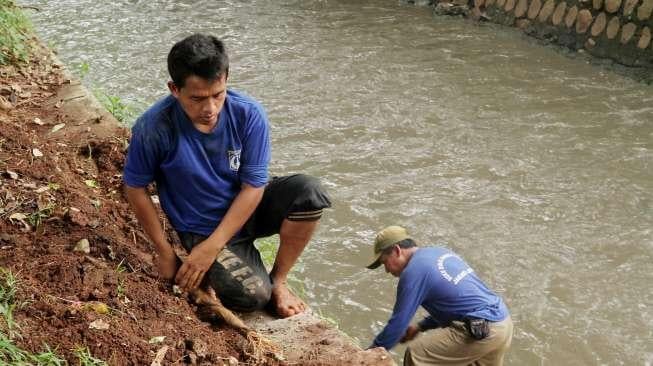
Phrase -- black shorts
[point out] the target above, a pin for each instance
(238, 275)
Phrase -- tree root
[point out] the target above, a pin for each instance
(259, 349)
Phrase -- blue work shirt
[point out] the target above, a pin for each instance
(198, 175)
(447, 288)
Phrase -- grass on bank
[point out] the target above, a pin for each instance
(15, 34)
(122, 111)
(10, 354)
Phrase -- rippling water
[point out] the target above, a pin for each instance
(535, 167)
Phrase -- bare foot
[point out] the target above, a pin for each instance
(287, 304)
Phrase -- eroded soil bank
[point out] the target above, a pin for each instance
(61, 159)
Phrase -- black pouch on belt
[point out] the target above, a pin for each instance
(477, 328)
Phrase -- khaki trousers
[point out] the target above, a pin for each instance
(453, 346)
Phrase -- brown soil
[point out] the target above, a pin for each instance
(70, 189)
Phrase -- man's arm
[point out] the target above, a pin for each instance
(203, 255)
(147, 216)
(410, 292)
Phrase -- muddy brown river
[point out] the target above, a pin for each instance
(533, 165)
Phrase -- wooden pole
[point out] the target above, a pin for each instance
(520, 9)
(534, 9)
(629, 7)
(599, 24)
(645, 39)
(644, 11)
(570, 19)
(546, 11)
(612, 6)
(559, 13)
(627, 32)
(613, 27)
(583, 21)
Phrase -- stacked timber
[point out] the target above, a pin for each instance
(619, 30)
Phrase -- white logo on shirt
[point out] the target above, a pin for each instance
(234, 159)
(446, 274)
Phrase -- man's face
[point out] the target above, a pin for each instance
(201, 99)
(392, 261)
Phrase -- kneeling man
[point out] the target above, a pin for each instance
(207, 148)
(468, 324)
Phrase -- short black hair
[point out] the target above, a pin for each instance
(406, 243)
(198, 54)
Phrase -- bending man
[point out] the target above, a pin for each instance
(207, 148)
(468, 324)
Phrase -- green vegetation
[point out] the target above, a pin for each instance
(8, 286)
(115, 105)
(86, 358)
(10, 354)
(121, 289)
(35, 218)
(268, 249)
(122, 111)
(15, 34)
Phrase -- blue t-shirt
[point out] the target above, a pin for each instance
(198, 175)
(447, 288)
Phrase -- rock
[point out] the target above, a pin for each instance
(157, 339)
(199, 347)
(597, 4)
(232, 361)
(522, 23)
(77, 217)
(99, 325)
(590, 43)
(450, 9)
(83, 246)
(57, 127)
(37, 153)
(5, 105)
(38, 121)
(10, 174)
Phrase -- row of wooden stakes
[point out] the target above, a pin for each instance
(561, 15)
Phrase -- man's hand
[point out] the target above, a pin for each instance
(167, 263)
(411, 332)
(195, 266)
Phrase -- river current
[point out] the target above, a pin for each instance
(534, 166)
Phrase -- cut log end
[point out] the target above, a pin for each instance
(570, 19)
(559, 13)
(599, 24)
(627, 32)
(645, 38)
(613, 27)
